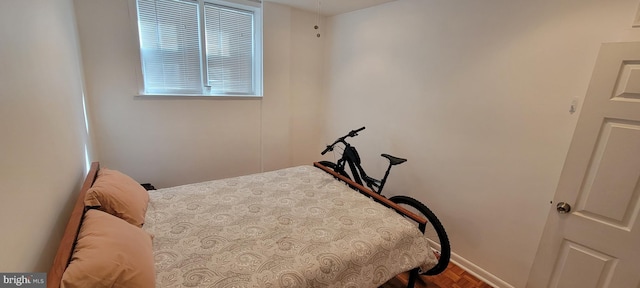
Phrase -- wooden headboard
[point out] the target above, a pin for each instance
(63, 256)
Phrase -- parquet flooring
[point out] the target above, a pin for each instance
(452, 277)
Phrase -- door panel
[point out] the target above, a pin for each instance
(628, 87)
(591, 268)
(597, 244)
(614, 170)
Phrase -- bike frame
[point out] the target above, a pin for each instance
(351, 158)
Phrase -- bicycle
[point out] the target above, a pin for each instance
(351, 157)
(433, 229)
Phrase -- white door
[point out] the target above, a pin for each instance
(597, 243)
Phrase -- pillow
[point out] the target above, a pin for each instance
(118, 195)
(110, 252)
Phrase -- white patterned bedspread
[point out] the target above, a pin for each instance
(296, 227)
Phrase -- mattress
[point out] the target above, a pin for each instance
(295, 227)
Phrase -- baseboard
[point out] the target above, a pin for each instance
(482, 274)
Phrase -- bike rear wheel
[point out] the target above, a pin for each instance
(434, 231)
(334, 167)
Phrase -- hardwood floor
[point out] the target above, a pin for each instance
(453, 277)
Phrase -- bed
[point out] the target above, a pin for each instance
(295, 227)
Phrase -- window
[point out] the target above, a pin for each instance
(198, 47)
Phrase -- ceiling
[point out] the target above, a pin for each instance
(330, 7)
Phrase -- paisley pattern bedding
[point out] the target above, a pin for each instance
(296, 227)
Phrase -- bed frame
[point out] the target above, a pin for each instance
(377, 197)
(65, 249)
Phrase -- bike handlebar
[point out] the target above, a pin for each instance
(355, 132)
(351, 133)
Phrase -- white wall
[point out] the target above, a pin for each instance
(172, 141)
(306, 86)
(41, 130)
(476, 95)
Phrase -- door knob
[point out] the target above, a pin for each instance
(563, 207)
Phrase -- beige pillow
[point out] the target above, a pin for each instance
(119, 195)
(110, 253)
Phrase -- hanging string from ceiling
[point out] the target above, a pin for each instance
(316, 27)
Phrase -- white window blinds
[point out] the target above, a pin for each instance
(229, 49)
(198, 47)
(170, 46)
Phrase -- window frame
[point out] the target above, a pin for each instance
(254, 6)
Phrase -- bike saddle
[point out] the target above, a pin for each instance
(394, 160)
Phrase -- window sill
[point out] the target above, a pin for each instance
(198, 96)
